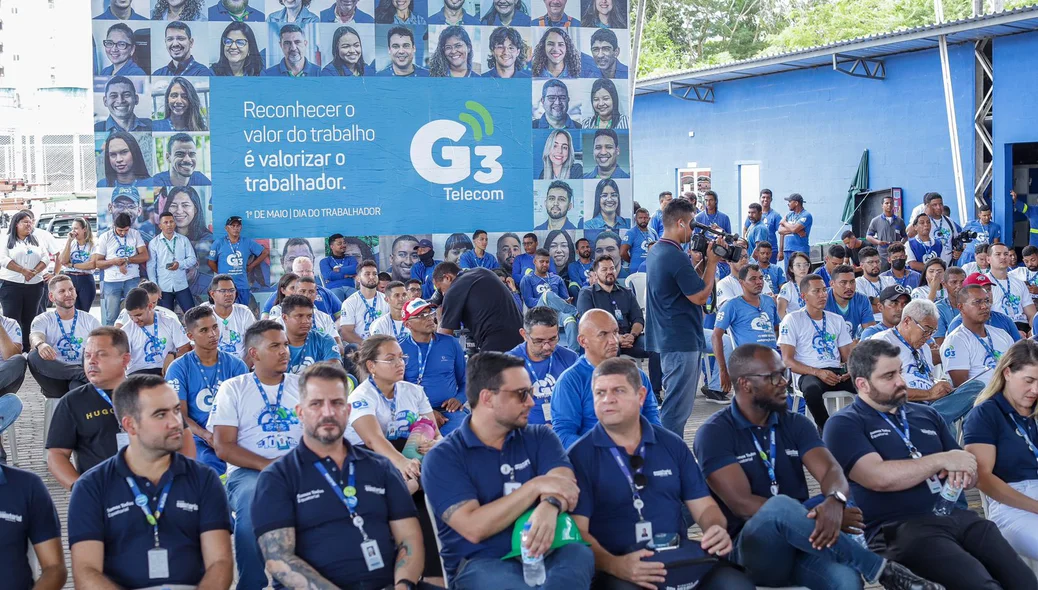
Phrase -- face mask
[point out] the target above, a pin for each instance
(898, 264)
(427, 258)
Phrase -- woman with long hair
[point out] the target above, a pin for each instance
(456, 245)
(453, 55)
(76, 262)
(188, 212)
(605, 102)
(557, 158)
(556, 56)
(1002, 434)
(508, 53)
(348, 55)
(510, 13)
(607, 208)
(397, 12)
(239, 52)
(21, 277)
(286, 287)
(183, 110)
(789, 296)
(606, 14)
(124, 161)
(560, 245)
(185, 10)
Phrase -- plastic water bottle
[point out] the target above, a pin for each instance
(949, 495)
(533, 567)
(422, 431)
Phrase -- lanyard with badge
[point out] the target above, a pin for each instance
(392, 432)
(172, 249)
(768, 460)
(1007, 296)
(546, 404)
(158, 558)
(348, 496)
(821, 333)
(800, 298)
(121, 438)
(920, 362)
(276, 424)
(989, 348)
(906, 436)
(69, 350)
(124, 248)
(642, 528)
(423, 359)
(210, 384)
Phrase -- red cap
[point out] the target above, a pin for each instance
(977, 279)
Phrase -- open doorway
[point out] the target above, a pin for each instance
(1025, 183)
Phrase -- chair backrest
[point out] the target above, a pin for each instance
(636, 283)
(837, 400)
(436, 533)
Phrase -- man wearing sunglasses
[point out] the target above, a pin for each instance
(436, 362)
(753, 456)
(545, 360)
(634, 522)
(490, 472)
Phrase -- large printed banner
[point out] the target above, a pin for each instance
(387, 121)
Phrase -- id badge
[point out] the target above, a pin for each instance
(511, 486)
(122, 439)
(934, 484)
(372, 556)
(642, 531)
(158, 564)
(546, 408)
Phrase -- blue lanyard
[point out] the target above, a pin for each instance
(122, 245)
(821, 333)
(372, 311)
(347, 496)
(529, 366)
(423, 359)
(391, 402)
(1022, 430)
(768, 460)
(875, 287)
(902, 280)
(919, 360)
(145, 505)
(1006, 293)
(105, 397)
(800, 298)
(210, 385)
(154, 338)
(271, 408)
(989, 346)
(621, 461)
(72, 331)
(905, 435)
(392, 324)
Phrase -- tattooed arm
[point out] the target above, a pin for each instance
(410, 551)
(279, 551)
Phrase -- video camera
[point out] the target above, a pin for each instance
(964, 237)
(700, 242)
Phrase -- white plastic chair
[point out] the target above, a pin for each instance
(11, 443)
(436, 534)
(49, 407)
(837, 400)
(636, 283)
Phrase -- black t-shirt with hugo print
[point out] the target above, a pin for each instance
(85, 423)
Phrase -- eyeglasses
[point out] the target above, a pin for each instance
(557, 98)
(122, 45)
(522, 394)
(239, 43)
(777, 378)
(926, 331)
(402, 359)
(979, 302)
(424, 315)
(539, 342)
(225, 291)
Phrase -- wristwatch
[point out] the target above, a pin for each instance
(406, 584)
(839, 497)
(554, 502)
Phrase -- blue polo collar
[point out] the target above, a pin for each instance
(308, 457)
(600, 437)
(1004, 405)
(472, 441)
(177, 465)
(743, 423)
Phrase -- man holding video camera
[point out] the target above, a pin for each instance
(676, 293)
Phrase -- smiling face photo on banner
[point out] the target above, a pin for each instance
(453, 12)
(609, 102)
(400, 50)
(293, 48)
(561, 245)
(347, 50)
(183, 159)
(556, 52)
(606, 154)
(122, 48)
(450, 247)
(560, 104)
(360, 248)
(560, 157)
(607, 204)
(605, 53)
(505, 246)
(122, 103)
(180, 104)
(124, 159)
(238, 48)
(178, 42)
(507, 52)
(397, 254)
(610, 14)
(557, 204)
(128, 10)
(455, 51)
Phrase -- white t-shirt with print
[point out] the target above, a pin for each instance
(238, 403)
(110, 246)
(1027, 277)
(361, 313)
(232, 330)
(409, 400)
(384, 325)
(14, 332)
(70, 351)
(963, 350)
(148, 351)
(124, 316)
(915, 377)
(1010, 296)
(805, 336)
(791, 293)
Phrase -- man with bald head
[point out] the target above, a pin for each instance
(572, 405)
(326, 300)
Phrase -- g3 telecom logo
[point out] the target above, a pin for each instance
(457, 157)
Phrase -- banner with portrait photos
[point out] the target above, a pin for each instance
(294, 115)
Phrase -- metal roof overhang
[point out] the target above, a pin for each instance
(1021, 20)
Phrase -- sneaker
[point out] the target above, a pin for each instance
(714, 396)
(898, 577)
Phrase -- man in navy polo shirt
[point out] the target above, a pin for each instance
(436, 362)
(329, 513)
(29, 518)
(572, 405)
(545, 360)
(148, 517)
(895, 453)
(486, 475)
(754, 455)
(853, 307)
(629, 526)
(676, 295)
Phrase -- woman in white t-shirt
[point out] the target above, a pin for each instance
(789, 298)
(22, 262)
(384, 407)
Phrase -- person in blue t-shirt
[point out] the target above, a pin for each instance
(339, 270)
(423, 269)
(477, 256)
(30, 520)
(757, 229)
(795, 230)
(579, 271)
(436, 362)
(854, 307)
(183, 536)
(657, 218)
(754, 456)
(523, 263)
(492, 470)
(197, 375)
(545, 288)
(572, 403)
(452, 13)
(774, 274)
(988, 232)
(545, 359)
(294, 45)
(711, 217)
(770, 219)
(947, 308)
(896, 454)
(636, 242)
(635, 480)
(306, 345)
(750, 319)
(237, 256)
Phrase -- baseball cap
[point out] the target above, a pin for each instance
(892, 292)
(233, 220)
(425, 244)
(977, 279)
(415, 307)
(795, 197)
(126, 192)
(566, 532)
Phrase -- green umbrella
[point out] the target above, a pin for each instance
(858, 185)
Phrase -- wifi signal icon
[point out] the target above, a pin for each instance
(474, 125)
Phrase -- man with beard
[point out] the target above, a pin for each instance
(183, 537)
(855, 308)
(339, 270)
(795, 230)
(869, 283)
(606, 152)
(607, 243)
(885, 229)
(757, 228)
(361, 309)
(783, 536)
(636, 242)
(453, 13)
(345, 12)
(121, 99)
(56, 341)
(579, 271)
(508, 248)
(895, 454)
(308, 529)
(423, 269)
(234, 10)
(490, 472)
(545, 360)
(555, 103)
(294, 45)
(182, 156)
(558, 201)
(972, 350)
(179, 43)
(120, 47)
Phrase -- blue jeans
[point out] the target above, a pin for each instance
(454, 420)
(567, 318)
(183, 298)
(85, 291)
(569, 567)
(207, 456)
(343, 292)
(680, 380)
(714, 381)
(958, 403)
(774, 548)
(10, 409)
(112, 295)
(241, 487)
